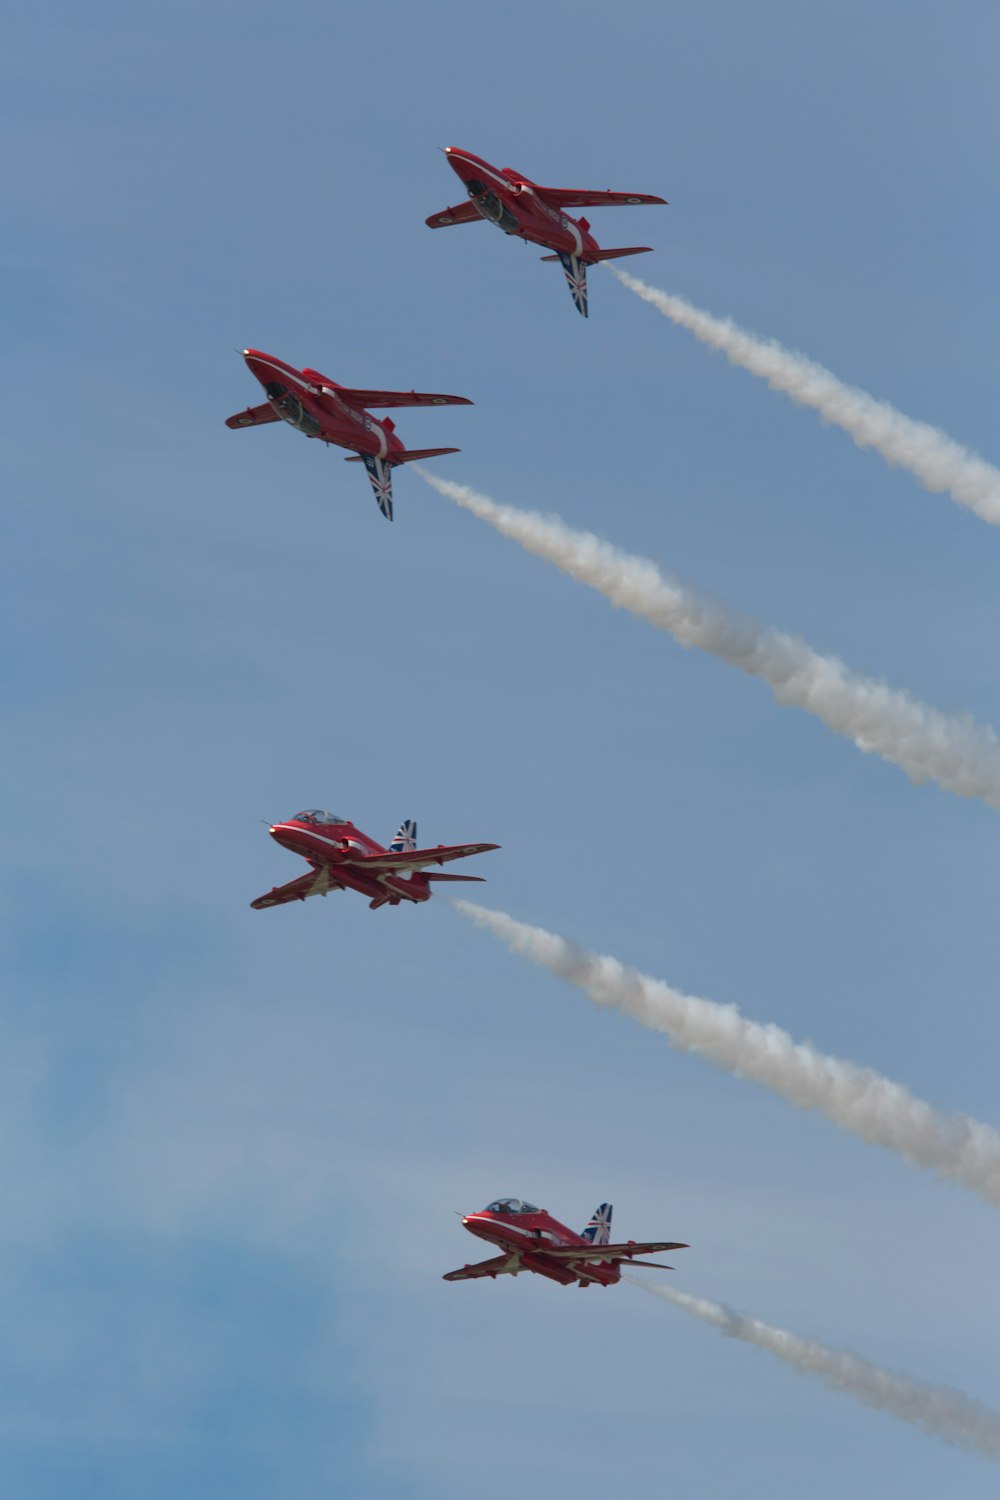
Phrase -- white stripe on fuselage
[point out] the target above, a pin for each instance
(297, 828)
(537, 1235)
(283, 370)
(370, 423)
(380, 877)
(479, 166)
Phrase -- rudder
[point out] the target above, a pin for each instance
(380, 474)
(598, 1231)
(576, 280)
(405, 840)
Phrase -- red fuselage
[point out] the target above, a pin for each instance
(309, 402)
(504, 198)
(336, 846)
(528, 1234)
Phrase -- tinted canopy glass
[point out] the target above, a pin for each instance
(316, 815)
(510, 1206)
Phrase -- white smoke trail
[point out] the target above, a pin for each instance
(957, 753)
(857, 1099)
(940, 464)
(939, 1410)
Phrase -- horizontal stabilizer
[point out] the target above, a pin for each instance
(654, 1265)
(607, 254)
(414, 455)
(444, 876)
(617, 254)
(407, 455)
(363, 398)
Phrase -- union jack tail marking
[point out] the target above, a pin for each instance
(405, 840)
(576, 276)
(598, 1231)
(380, 474)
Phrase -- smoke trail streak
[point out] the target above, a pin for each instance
(857, 1099)
(939, 1410)
(928, 745)
(940, 464)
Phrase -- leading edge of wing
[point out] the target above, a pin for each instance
(500, 1265)
(462, 213)
(315, 883)
(598, 198)
(355, 396)
(414, 858)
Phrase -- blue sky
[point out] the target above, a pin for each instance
(232, 1142)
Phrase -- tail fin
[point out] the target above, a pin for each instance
(576, 277)
(380, 474)
(405, 840)
(598, 1231)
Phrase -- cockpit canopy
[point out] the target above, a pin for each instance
(317, 815)
(510, 1206)
(491, 207)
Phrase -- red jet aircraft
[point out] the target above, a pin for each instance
(531, 1240)
(519, 206)
(343, 858)
(319, 407)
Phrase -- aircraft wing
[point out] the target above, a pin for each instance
(316, 883)
(463, 213)
(581, 198)
(608, 1252)
(254, 416)
(398, 398)
(415, 859)
(500, 1265)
